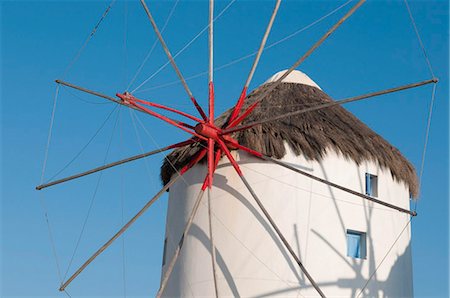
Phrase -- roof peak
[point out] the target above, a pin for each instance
(296, 76)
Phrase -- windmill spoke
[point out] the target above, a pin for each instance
(116, 163)
(172, 61)
(330, 104)
(110, 98)
(244, 115)
(288, 166)
(129, 100)
(240, 101)
(160, 106)
(174, 258)
(216, 162)
(89, 91)
(120, 232)
(269, 218)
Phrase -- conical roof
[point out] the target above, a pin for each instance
(311, 134)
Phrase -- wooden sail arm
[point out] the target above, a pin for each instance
(269, 218)
(116, 163)
(174, 258)
(348, 190)
(240, 102)
(120, 232)
(330, 104)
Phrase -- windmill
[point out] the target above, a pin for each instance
(219, 142)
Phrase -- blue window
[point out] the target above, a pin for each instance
(371, 185)
(356, 244)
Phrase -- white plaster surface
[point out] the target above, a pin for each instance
(295, 76)
(252, 261)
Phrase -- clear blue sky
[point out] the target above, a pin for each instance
(374, 50)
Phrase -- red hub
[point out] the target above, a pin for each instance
(216, 142)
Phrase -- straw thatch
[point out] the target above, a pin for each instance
(311, 134)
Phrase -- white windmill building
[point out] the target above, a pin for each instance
(308, 201)
(339, 237)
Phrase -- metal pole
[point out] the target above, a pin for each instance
(120, 232)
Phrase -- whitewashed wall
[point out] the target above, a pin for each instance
(252, 262)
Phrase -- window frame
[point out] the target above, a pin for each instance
(371, 185)
(362, 244)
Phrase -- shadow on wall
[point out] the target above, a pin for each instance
(382, 288)
(401, 270)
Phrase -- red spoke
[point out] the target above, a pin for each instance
(239, 104)
(194, 160)
(244, 115)
(230, 157)
(178, 124)
(157, 105)
(216, 162)
(210, 161)
(251, 151)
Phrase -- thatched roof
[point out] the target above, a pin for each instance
(311, 134)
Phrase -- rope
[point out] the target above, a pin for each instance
(254, 53)
(183, 49)
(425, 145)
(153, 45)
(41, 197)
(51, 237)
(384, 258)
(94, 195)
(50, 130)
(67, 293)
(430, 112)
(85, 146)
(141, 147)
(78, 54)
(430, 68)
(158, 147)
